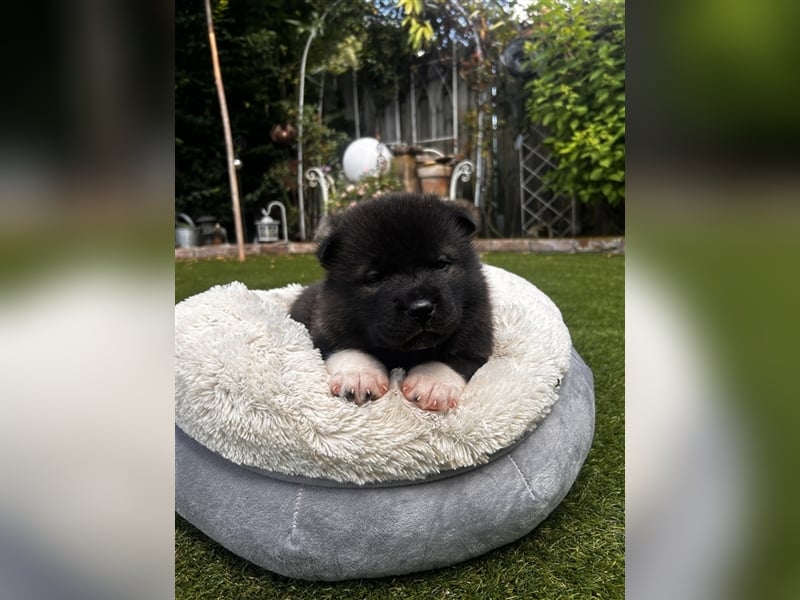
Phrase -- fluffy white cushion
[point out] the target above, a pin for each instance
(250, 386)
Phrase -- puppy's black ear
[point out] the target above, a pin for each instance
(468, 218)
(328, 249)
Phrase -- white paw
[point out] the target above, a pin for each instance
(357, 376)
(433, 386)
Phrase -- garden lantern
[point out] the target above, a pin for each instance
(267, 228)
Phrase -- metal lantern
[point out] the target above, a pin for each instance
(267, 228)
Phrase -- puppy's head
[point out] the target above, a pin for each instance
(400, 268)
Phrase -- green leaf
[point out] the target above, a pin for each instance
(579, 95)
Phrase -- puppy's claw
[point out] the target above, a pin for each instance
(356, 376)
(433, 386)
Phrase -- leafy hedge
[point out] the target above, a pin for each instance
(577, 51)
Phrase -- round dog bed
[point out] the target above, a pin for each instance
(275, 469)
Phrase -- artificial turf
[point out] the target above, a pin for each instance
(577, 552)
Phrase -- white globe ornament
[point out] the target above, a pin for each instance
(366, 156)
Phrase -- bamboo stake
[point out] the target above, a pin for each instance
(226, 126)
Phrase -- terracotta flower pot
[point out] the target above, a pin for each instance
(435, 178)
(404, 167)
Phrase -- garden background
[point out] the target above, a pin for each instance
(533, 94)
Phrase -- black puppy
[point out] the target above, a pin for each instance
(403, 288)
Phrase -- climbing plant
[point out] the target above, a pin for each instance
(576, 52)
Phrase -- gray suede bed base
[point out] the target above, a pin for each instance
(332, 533)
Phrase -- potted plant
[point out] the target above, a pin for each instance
(434, 174)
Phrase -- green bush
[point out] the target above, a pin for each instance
(577, 51)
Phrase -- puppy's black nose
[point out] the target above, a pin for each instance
(420, 310)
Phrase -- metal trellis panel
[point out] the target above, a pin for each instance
(542, 213)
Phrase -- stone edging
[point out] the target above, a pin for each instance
(589, 245)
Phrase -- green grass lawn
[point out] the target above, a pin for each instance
(577, 552)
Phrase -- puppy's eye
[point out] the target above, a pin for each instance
(443, 263)
(372, 277)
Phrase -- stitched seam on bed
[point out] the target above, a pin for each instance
(296, 512)
(524, 480)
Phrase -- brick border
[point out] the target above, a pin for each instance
(594, 245)
(231, 251)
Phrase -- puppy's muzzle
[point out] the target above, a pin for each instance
(421, 310)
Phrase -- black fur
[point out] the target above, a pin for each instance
(403, 283)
